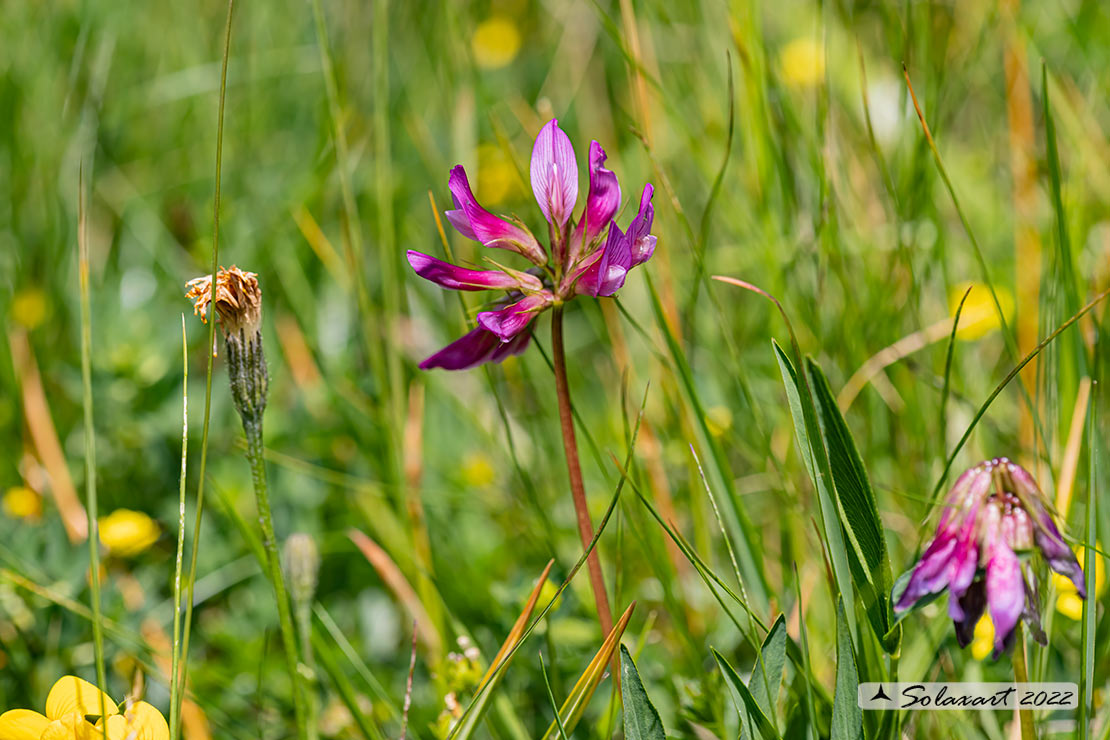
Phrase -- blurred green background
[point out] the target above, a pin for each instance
(785, 151)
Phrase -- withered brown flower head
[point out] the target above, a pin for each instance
(238, 299)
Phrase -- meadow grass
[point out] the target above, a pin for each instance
(759, 474)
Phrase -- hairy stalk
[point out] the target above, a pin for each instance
(90, 448)
(577, 490)
(249, 385)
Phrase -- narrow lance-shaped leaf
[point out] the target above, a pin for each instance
(745, 703)
(817, 464)
(641, 720)
(859, 513)
(847, 717)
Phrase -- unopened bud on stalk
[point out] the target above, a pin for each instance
(238, 301)
(302, 563)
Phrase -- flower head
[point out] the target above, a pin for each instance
(125, 532)
(994, 521)
(73, 712)
(238, 299)
(589, 257)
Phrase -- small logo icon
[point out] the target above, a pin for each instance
(880, 694)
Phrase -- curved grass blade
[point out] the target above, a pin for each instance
(587, 683)
(500, 662)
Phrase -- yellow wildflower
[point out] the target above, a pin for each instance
(718, 419)
(477, 470)
(125, 532)
(495, 42)
(21, 502)
(802, 62)
(69, 706)
(497, 179)
(983, 642)
(29, 307)
(1068, 602)
(979, 316)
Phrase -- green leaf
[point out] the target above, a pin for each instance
(847, 717)
(641, 720)
(745, 703)
(859, 513)
(767, 676)
(816, 459)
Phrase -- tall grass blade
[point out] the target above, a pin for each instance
(500, 662)
(90, 444)
(571, 710)
(191, 579)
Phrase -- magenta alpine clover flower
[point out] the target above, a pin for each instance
(994, 521)
(590, 257)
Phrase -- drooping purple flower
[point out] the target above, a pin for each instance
(590, 257)
(994, 521)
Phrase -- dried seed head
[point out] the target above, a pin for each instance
(238, 299)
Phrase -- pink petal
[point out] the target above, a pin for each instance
(554, 174)
(602, 203)
(507, 322)
(460, 278)
(475, 222)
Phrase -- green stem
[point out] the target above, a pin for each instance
(182, 655)
(253, 430)
(1021, 675)
(90, 451)
(574, 469)
(175, 654)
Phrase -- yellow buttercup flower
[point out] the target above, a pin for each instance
(495, 42)
(983, 642)
(21, 502)
(69, 706)
(1068, 602)
(979, 316)
(29, 307)
(497, 179)
(802, 63)
(478, 471)
(125, 532)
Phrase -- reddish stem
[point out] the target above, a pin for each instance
(577, 490)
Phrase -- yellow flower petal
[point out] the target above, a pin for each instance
(146, 722)
(29, 308)
(983, 641)
(76, 695)
(1070, 605)
(802, 62)
(495, 43)
(69, 727)
(22, 724)
(125, 532)
(21, 502)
